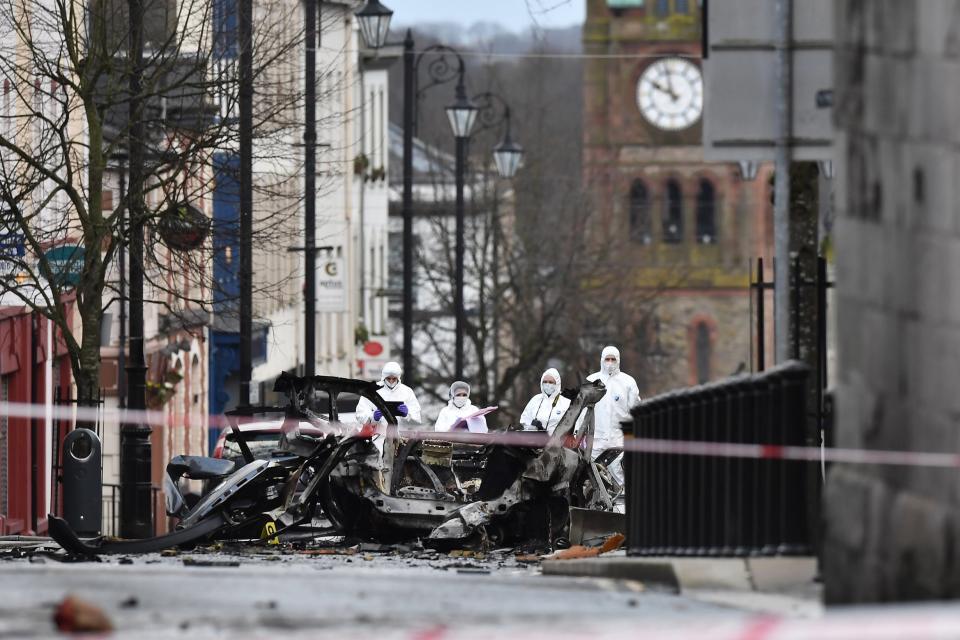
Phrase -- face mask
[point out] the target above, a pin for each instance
(548, 388)
(391, 386)
(459, 402)
(610, 368)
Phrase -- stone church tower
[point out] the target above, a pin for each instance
(679, 234)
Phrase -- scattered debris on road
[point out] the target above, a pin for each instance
(194, 562)
(74, 615)
(580, 551)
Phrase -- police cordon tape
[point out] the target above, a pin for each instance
(916, 622)
(524, 438)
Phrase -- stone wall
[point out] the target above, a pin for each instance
(725, 313)
(892, 532)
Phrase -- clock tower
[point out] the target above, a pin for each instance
(676, 234)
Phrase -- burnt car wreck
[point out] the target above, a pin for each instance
(389, 485)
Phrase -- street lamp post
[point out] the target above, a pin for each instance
(310, 189)
(409, 69)
(374, 19)
(493, 111)
(461, 114)
(245, 88)
(136, 513)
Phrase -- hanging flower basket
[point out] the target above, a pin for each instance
(158, 393)
(183, 227)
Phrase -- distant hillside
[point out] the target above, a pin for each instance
(492, 36)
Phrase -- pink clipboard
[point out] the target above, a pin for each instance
(461, 424)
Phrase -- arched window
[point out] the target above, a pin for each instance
(706, 213)
(639, 212)
(703, 352)
(673, 212)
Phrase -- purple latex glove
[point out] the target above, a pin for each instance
(377, 414)
(402, 410)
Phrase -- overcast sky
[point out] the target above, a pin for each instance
(516, 15)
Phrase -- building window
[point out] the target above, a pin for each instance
(703, 352)
(682, 6)
(673, 212)
(663, 7)
(706, 213)
(639, 212)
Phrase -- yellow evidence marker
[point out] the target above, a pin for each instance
(269, 530)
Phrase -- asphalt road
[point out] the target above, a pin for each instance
(270, 594)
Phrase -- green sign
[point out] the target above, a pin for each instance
(66, 264)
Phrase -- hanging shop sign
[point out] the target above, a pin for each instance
(66, 264)
(331, 285)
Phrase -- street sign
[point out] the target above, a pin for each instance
(331, 285)
(12, 250)
(374, 354)
(740, 75)
(66, 264)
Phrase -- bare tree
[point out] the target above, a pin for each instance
(93, 90)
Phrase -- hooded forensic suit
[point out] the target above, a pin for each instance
(458, 408)
(399, 393)
(546, 408)
(622, 395)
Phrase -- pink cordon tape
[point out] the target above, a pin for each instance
(810, 454)
(533, 439)
(916, 622)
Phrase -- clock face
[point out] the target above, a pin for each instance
(670, 94)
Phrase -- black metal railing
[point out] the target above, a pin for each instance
(111, 508)
(690, 503)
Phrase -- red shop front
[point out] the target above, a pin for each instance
(26, 378)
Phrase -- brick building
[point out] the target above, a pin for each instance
(892, 531)
(33, 362)
(680, 232)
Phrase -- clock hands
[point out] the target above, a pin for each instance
(666, 89)
(673, 95)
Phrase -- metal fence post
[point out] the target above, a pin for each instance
(753, 478)
(797, 529)
(661, 485)
(717, 413)
(700, 409)
(635, 488)
(774, 470)
(648, 476)
(680, 535)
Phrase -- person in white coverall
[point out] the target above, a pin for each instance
(459, 406)
(614, 407)
(545, 409)
(394, 391)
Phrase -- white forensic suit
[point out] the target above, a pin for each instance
(546, 408)
(399, 393)
(614, 407)
(451, 413)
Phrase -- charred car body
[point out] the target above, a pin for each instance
(383, 483)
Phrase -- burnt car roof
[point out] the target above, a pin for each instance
(286, 381)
